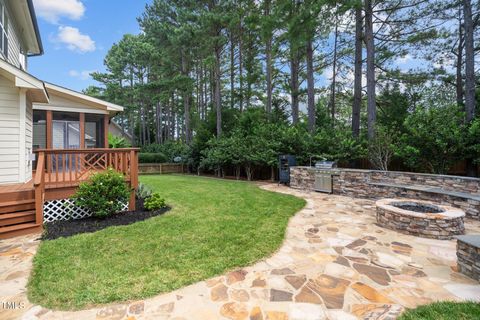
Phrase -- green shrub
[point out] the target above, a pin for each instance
(143, 191)
(116, 142)
(104, 194)
(171, 149)
(154, 202)
(158, 157)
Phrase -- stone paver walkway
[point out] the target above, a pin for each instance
(334, 264)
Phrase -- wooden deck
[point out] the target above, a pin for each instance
(56, 182)
(57, 176)
(6, 188)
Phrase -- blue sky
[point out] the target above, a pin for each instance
(77, 34)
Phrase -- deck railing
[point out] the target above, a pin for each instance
(63, 168)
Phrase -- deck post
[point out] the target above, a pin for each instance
(49, 142)
(106, 122)
(133, 178)
(82, 130)
(39, 185)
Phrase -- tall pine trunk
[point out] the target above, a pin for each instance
(159, 136)
(268, 53)
(334, 75)
(371, 99)
(240, 65)
(218, 97)
(186, 103)
(459, 64)
(310, 87)
(232, 70)
(469, 73)
(357, 87)
(469, 61)
(294, 84)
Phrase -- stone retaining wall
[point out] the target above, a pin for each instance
(468, 256)
(358, 183)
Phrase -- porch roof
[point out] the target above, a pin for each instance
(24, 80)
(82, 98)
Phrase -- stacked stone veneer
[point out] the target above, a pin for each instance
(442, 226)
(361, 184)
(468, 256)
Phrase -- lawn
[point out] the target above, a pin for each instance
(214, 226)
(444, 311)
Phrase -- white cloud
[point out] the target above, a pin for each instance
(53, 10)
(82, 75)
(75, 40)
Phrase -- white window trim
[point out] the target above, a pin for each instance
(5, 29)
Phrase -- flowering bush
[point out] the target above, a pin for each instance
(104, 194)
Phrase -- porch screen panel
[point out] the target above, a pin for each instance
(94, 131)
(39, 129)
(39, 140)
(66, 130)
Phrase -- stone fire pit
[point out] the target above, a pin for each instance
(420, 218)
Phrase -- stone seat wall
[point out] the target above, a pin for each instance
(468, 255)
(460, 192)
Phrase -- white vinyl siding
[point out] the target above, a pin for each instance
(10, 133)
(28, 140)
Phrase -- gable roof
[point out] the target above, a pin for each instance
(25, 18)
(82, 98)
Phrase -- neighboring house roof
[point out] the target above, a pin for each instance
(25, 80)
(117, 130)
(82, 98)
(23, 13)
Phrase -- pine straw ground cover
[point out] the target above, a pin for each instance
(214, 226)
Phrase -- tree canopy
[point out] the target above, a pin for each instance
(238, 82)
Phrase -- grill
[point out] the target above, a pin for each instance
(325, 164)
(323, 179)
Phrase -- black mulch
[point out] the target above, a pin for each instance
(58, 229)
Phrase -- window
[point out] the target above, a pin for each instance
(3, 29)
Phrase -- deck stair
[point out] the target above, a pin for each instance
(17, 213)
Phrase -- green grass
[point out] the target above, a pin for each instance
(444, 311)
(214, 226)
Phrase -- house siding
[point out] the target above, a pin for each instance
(28, 139)
(14, 47)
(9, 132)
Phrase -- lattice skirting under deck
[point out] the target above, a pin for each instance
(65, 209)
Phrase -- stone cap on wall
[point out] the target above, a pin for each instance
(447, 214)
(338, 170)
(471, 239)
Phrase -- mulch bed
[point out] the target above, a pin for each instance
(67, 228)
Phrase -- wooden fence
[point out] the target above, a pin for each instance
(161, 168)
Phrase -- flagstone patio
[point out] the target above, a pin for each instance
(335, 263)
